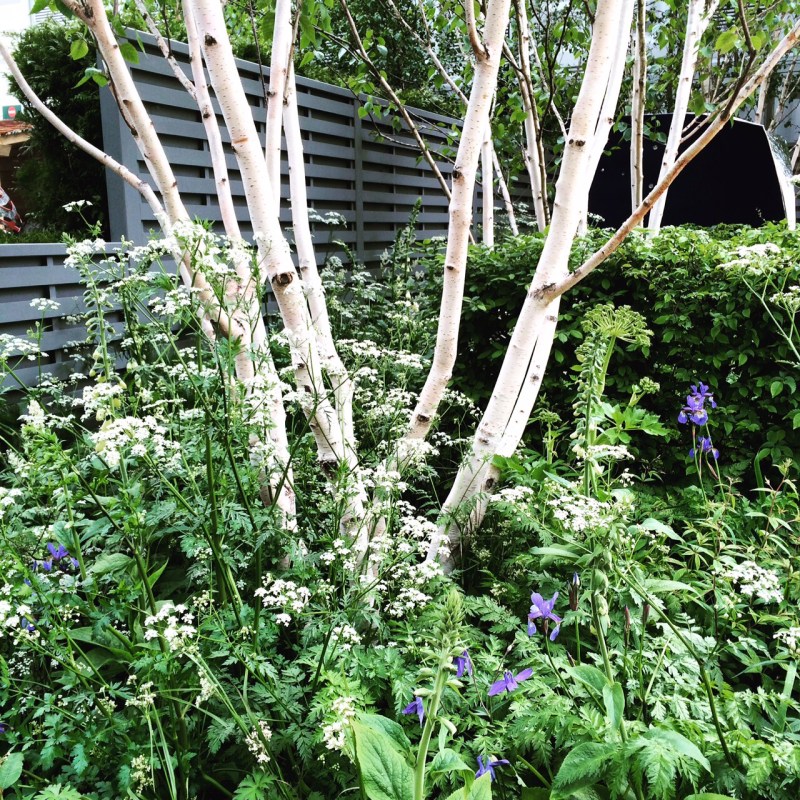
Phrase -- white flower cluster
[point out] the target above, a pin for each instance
(286, 595)
(173, 302)
(609, 452)
(578, 513)
(173, 623)
(754, 580)
(15, 618)
(339, 549)
(345, 637)
(8, 498)
(141, 773)
(45, 304)
(257, 740)
(512, 494)
(203, 246)
(791, 638)
(21, 348)
(788, 299)
(142, 437)
(79, 252)
(344, 709)
(100, 399)
(261, 391)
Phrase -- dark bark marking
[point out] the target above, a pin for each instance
(283, 279)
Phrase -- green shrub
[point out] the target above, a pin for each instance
(54, 171)
(707, 326)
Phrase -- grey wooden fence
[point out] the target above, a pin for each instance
(368, 169)
(30, 271)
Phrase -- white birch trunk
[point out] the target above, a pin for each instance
(464, 172)
(487, 181)
(698, 18)
(638, 105)
(610, 100)
(573, 184)
(504, 193)
(273, 249)
(278, 75)
(533, 153)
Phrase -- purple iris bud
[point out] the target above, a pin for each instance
(463, 664)
(3, 728)
(57, 552)
(706, 446)
(45, 566)
(509, 681)
(489, 766)
(74, 562)
(416, 707)
(26, 625)
(543, 610)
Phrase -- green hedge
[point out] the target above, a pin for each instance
(707, 326)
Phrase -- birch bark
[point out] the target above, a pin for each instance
(699, 15)
(638, 104)
(464, 171)
(282, 40)
(487, 182)
(533, 323)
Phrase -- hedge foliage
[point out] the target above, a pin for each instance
(708, 325)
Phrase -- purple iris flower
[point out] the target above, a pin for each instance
(543, 609)
(45, 566)
(509, 681)
(694, 411)
(27, 625)
(3, 728)
(416, 707)
(489, 766)
(57, 552)
(463, 664)
(706, 447)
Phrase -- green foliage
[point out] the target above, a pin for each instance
(55, 172)
(707, 321)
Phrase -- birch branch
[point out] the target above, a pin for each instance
(696, 24)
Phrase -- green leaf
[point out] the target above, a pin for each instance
(389, 727)
(385, 774)
(584, 766)
(129, 52)
(775, 388)
(708, 796)
(590, 676)
(10, 770)
(448, 760)
(481, 789)
(680, 744)
(726, 41)
(109, 562)
(614, 700)
(78, 49)
(40, 5)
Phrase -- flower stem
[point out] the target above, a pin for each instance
(430, 721)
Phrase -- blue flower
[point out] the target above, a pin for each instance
(416, 707)
(705, 447)
(463, 664)
(57, 552)
(695, 411)
(509, 682)
(543, 609)
(489, 766)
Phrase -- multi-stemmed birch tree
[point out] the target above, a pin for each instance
(321, 379)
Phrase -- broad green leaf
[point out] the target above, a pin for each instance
(775, 388)
(385, 774)
(614, 700)
(708, 796)
(10, 770)
(388, 727)
(584, 766)
(680, 744)
(659, 586)
(448, 760)
(39, 5)
(726, 41)
(481, 789)
(109, 562)
(78, 49)
(129, 52)
(591, 676)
